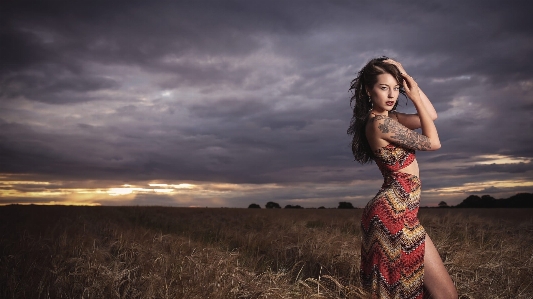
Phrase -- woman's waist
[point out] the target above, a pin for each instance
(402, 177)
(400, 173)
(411, 168)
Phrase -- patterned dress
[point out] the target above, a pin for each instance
(393, 243)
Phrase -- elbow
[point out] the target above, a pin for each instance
(434, 116)
(435, 146)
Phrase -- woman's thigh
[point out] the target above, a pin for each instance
(436, 277)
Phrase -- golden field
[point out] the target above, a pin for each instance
(164, 252)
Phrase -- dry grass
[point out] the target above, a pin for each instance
(155, 252)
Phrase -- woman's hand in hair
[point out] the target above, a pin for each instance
(411, 87)
(412, 91)
(397, 64)
(412, 121)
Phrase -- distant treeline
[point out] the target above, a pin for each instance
(274, 205)
(520, 200)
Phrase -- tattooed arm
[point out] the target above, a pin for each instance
(392, 131)
(388, 129)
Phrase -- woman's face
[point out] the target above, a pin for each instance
(385, 93)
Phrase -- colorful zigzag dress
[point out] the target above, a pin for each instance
(393, 243)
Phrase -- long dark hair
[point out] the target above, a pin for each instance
(366, 79)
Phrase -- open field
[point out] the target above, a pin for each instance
(161, 252)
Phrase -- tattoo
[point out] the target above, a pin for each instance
(404, 136)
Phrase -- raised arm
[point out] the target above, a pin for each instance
(412, 121)
(392, 131)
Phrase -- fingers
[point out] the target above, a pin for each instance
(397, 64)
(411, 88)
(407, 77)
(409, 84)
(406, 87)
(408, 80)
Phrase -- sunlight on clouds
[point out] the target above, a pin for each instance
(126, 190)
(46, 193)
(24, 183)
(183, 186)
(157, 185)
(67, 203)
(502, 159)
(177, 193)
(178, 186)
(163, 188)
(25, 191)
(224, 194)
(479, 186)
(22, 192)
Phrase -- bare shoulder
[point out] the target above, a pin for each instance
(395, 115)
(375, 122)
(373, 133)
(380, 124)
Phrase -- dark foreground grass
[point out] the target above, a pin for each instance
(160, 252)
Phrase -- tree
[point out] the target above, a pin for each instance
(345, 205)
(443, 204)
(293, 207)
(474, 201)
(272, 205)
(520, 200)
(254, 206)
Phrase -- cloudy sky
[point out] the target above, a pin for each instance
(228, 103)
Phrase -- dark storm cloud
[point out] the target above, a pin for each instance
(50, 86)
(253, 91)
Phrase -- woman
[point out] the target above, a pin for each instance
(398, 259)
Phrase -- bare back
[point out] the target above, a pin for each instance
(377, 126)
